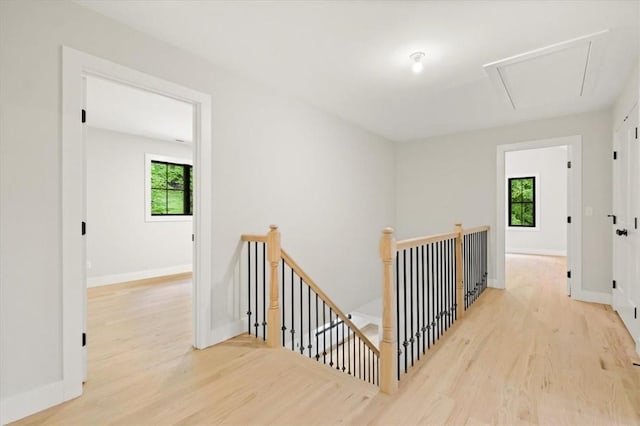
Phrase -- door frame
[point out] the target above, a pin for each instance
(574, 207)
(75, 65)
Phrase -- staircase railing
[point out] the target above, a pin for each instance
(300, 316)
(426, 283)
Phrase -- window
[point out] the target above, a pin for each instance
(522, 202)
(169, 183)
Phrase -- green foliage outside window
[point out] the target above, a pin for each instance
(171, 189)
(522, 202)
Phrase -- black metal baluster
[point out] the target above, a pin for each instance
(317, 343)
(249, 287)
(455, 280)
(330, 337)
(430, 294)
(397, 289)
(349, 350)
(301, 320)
(355, 365)
(309, 346)
(465, 267)
(369, 362)
(452, 261)
(418, 264)
(361, 362)
(284, 307)
(448, 264)
(433, 293)
(343, 364)
(437, 287)
(257, 313)
(264, 292)
(324, 332)
(293, 323)
(405, 343)
(423, 329)
(411, 300)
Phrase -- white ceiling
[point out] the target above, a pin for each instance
(125, 109)
(351, 58)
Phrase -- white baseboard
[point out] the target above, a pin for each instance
(592, 296)
(137, 275)
(27, 403)
(493, 283)
(226, 332)
(539, 252)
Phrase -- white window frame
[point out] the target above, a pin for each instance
(148, 217)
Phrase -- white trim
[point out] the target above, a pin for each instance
(592, 297)
(493, 283)
(537, 251)
(137, 275)
(595, 42)
(148, 158)
(22, 405)
(227, 331)
(574, 195)
(75, 65)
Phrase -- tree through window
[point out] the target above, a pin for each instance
(522, 202)
(171, 189)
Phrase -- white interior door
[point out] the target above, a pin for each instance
(84, 228)
(625, 232)
(633, 235)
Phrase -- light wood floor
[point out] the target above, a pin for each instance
(526, 355)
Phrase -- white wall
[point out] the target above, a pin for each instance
(121, 244)
(549, 166)
(328, 184)
(446, 179)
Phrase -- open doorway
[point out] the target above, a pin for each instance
(537, 219)
(76, 66)
(518, 234)
(139, 210)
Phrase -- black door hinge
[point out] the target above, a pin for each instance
(568, 219)
(568, 164)
(613, 217)
(193, 237)
(84, 228)
(636, 133)
(568, 274)
(84, 339)
(614, 283)
(84, 116)
(635, 313)
(635, 223)
(615, 155)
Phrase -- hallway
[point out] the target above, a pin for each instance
(529, 354)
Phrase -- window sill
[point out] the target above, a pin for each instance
(168, 219)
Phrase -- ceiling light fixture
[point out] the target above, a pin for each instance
(417, 66)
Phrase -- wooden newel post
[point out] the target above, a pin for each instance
(273, 317)
(459, 281)
(388, 346)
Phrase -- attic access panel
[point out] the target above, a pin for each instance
(559, 73)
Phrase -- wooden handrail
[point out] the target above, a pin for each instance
(420, 241)
(249, 237)
(477, 229)
(308, 281)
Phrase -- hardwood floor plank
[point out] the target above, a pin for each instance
(527, 355)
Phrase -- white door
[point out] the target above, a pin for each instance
(625, 232)
(84, 229)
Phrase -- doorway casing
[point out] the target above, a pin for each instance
(75, 65)
(574, 209)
